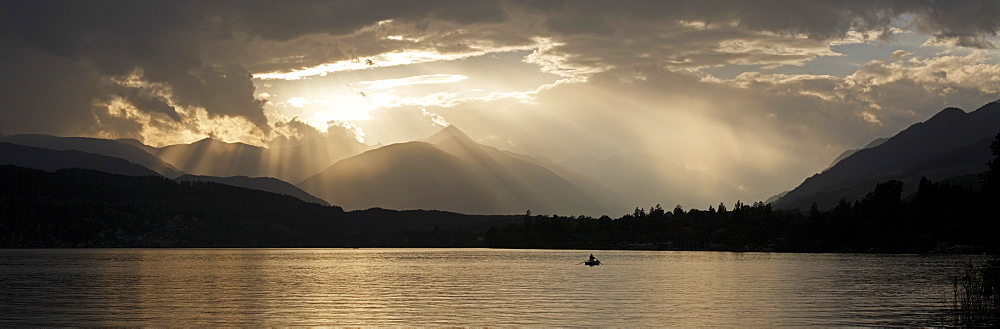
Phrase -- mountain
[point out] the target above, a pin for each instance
(267, 184)
(449, 171)
(137, 144)
(644, 180)
(215, 158)
(51, 160)
(842, 156)
(86, 208)
(609, 199)
(412, 175)
(525, 180)
(96, 146)
(951, 143)
(776, 197)
(288, 162)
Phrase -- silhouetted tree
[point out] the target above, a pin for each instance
(657, 211)
(991, 181)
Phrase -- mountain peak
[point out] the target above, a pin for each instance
(876, 142)
(207, 140)
(951, 112)
(987, 111)
(215, 142)
(447, 133)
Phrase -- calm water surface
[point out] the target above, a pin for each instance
(469, 287)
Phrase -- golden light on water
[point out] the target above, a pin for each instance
(475, 287)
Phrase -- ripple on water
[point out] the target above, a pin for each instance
(471, 287)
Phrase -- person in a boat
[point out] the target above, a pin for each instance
(592, 258)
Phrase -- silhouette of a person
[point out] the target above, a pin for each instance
(592, 258)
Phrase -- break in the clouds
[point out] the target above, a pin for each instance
(743, 90)
(411, 81)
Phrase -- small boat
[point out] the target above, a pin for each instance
(592, 261)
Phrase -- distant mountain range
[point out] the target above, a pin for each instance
(289, 163)
(52, 160)
(839, 158)
(842, 156)
(105, 147)
(129, 158)
(644, 180)
(87, 208)
(449, 171)
(952, 143)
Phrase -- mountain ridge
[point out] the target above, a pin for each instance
(449, 171)
(267, 184)
(949, 130)
(96, 146)
(52, 160)
(290, 163)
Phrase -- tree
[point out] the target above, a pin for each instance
(639, 212)
(656, 211)
(887, 193)
(991, 181)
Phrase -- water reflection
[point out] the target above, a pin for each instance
(471, 287)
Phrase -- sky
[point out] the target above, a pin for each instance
(758, 93)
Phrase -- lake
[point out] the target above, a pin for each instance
(470, 287)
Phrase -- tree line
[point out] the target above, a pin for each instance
(939, 217)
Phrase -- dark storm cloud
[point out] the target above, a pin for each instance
(285, 20)
(965, 21)
(146, 100)
(226, 90)
(112, 40)
(40, 92)
(63, 56)
(81, 46)
(818, 19)
(698, 34)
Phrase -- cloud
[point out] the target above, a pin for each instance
(892, 92)
(389, 59)
(178, 70)
(764, 131)
(414, 80)
(159, 40)
(941, 74)
(195, 52)
(688, 35)
(583, 37)
(435, 118)
(968, 23)
(298, 102)
(295, 132)
(41, 92)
